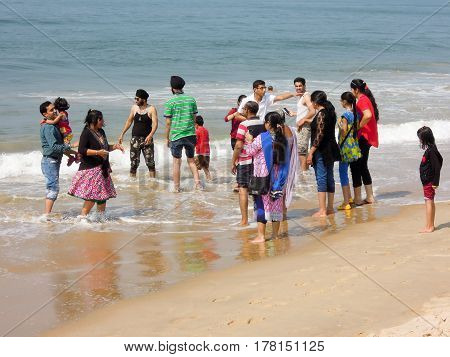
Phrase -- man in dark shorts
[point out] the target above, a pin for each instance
(180, 112)
(145, 122)
(241, 162)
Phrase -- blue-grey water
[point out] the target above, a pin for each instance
(97, 53)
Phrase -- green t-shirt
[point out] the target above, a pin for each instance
(180, 110)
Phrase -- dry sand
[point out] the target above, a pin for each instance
(376, 278)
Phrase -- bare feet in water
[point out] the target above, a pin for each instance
(427, 230)
(243, 224)
(330, 211)
(258, 239)
(320, 214)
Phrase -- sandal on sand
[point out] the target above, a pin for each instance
(351, 201)
(344, 207)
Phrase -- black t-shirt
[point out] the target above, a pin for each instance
(89, 140)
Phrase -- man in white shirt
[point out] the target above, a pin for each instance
(264, 100)
(305, 114)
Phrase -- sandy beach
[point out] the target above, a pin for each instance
(378, 278)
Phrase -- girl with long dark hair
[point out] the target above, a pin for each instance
(368, 117)
(324, 151)
(93, 182)
(348, 145)
(270, 160)
(430, 172)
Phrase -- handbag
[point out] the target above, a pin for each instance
(259, 185)
(349, 147)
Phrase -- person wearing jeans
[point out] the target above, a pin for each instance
(324, 151)
(53, 147)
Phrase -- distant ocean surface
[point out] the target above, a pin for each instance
(96, 54)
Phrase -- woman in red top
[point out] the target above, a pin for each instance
(367, 110)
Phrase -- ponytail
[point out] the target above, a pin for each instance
(280, 142)
(364, 89)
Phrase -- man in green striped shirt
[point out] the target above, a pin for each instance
(180, 112)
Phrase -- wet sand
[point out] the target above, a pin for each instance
(367, 279)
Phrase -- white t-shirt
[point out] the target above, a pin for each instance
(302, 109)
(264, 104)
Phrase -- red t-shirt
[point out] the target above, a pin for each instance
(370, 130)
(234, 123)
(202, 146)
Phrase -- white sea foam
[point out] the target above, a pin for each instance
(407, 132)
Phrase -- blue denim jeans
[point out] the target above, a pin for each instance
(343, 173)
(50, 169)
(324, 174)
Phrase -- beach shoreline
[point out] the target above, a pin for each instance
(371, 279)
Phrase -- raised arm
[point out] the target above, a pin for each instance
(127, 125)
(284, 96)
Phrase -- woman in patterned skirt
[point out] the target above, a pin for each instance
(270, 160)
(92, 182)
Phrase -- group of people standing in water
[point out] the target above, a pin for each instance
(266, 151)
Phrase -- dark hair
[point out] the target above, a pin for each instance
(364, 89)
(43, 107)
(280, 142)
(258, 83)
(93, 117)
(426, 137)
(252, 107)
(301, 80)
(350, 99)
(319, 97)
(270, 88)
(199, 120)
(61, 104)
(242, 96)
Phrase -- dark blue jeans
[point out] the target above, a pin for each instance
(324, 174)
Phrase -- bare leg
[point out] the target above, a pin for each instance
(261, 238)
(101, 208)
(330, 208)
(243, 205)
(194, 171)
(176, 173)
(347, 194)
(152, 173)
(304, 166)
(322, 212)
(358, 198)
(49, 205)
(207, 174)
(87, 206)
(430, 213)
(369, 194)
(275, 229)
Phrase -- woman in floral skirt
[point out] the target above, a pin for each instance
(93, 182)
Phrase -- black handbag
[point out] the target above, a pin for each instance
(259, 185)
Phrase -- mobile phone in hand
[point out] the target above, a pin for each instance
(286, 111)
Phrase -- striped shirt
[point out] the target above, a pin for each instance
(253, 125)
(181, 110)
